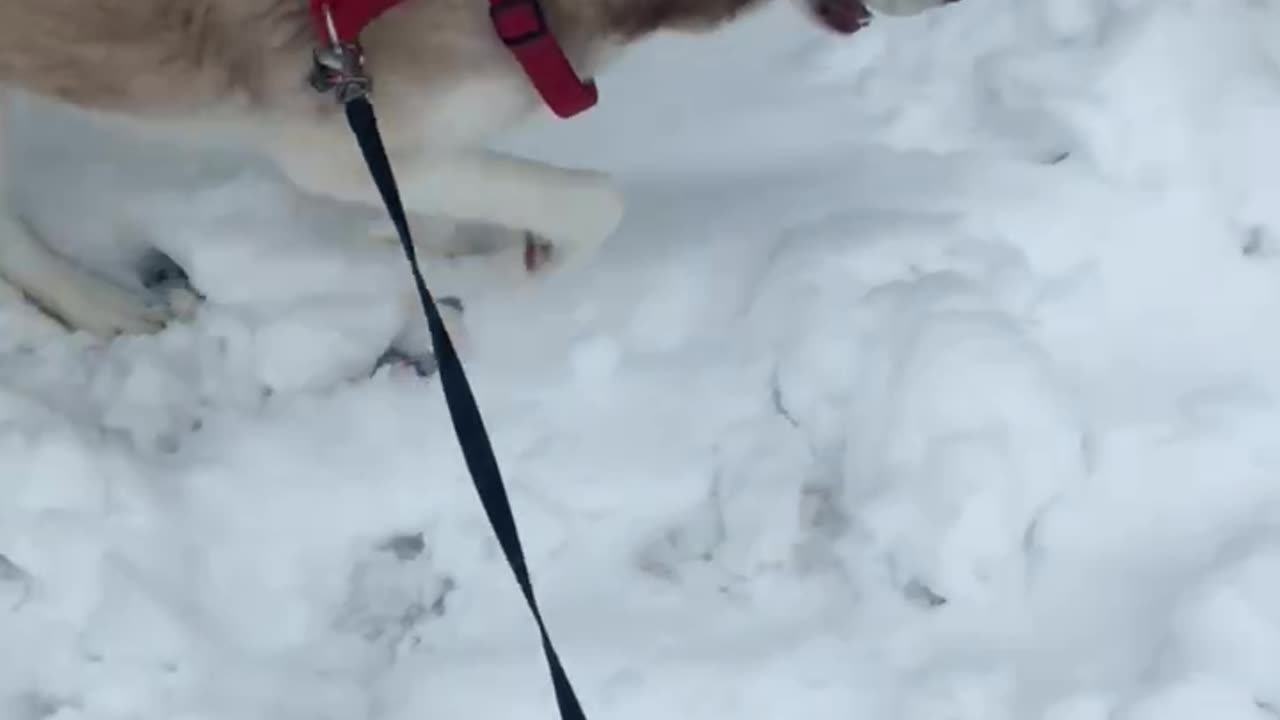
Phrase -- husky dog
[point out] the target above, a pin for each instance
(236, 69)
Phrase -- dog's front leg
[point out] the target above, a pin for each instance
(81, 299)
(575, 210)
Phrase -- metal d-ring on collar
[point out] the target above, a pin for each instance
(338, 67)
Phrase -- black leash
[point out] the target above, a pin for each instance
(465, 414)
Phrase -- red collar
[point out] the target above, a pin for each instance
(520, 25)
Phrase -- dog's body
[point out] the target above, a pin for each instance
(235, 70)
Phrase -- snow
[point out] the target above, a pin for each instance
(929, 378)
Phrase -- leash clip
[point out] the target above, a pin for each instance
(338, 67)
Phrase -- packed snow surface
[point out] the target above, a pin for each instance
(933, 376)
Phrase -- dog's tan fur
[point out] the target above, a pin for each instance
(234, 69)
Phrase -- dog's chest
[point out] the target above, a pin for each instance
(469, 113)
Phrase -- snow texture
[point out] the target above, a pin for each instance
(931, 377)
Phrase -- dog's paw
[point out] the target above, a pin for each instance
(590, 219)
(422, 365)
(903, 8)
(413, 348)
(102, 308)
(537, 252)
(169, 283)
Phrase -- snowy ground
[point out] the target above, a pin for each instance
(932, 377)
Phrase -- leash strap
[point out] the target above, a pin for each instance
(463, 410)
